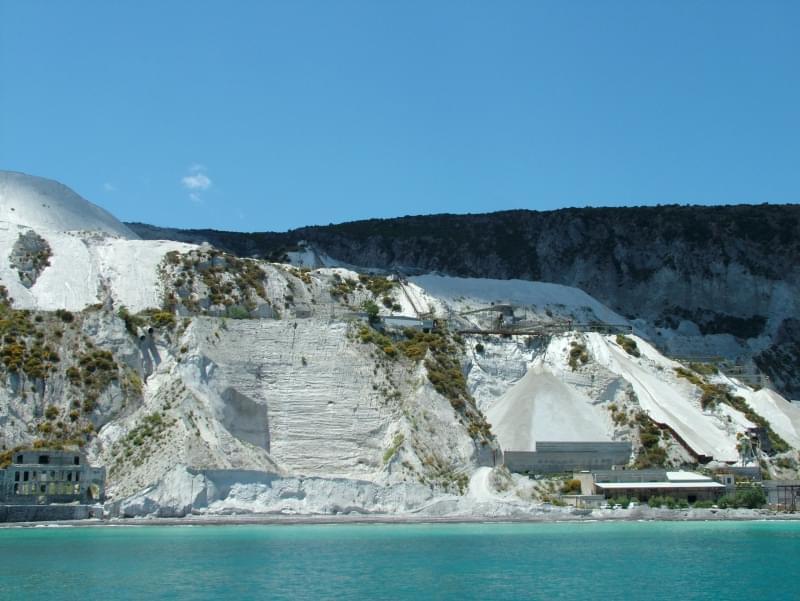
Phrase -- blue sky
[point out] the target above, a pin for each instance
(260, 116)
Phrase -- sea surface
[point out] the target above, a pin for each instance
(646, 560)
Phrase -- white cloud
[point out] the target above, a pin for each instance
(109, 187)
(196, 182)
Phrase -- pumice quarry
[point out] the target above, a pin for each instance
(156, 374)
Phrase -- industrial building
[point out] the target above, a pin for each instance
(562, 457)
(644, 484)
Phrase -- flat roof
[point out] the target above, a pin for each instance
(683, 476)
(625, 485)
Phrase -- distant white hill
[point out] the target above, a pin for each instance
(92, 253)
(44, 204)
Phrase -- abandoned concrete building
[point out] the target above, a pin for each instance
(44, 476)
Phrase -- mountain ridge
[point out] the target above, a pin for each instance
(729, 274)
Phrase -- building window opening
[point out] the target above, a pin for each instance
(77, 460)
(44, 459)
(25, 476)
(19, 458)
(16, 476)
(69, 477)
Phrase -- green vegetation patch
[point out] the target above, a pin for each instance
(716, 394)
(650, 453)
(628, 345)
(368, 335)
(138, 442)
(223, 278)
(752, 497)
(687, 374)
(95, 370)
(24, 345)
(343, 287)
(392, 450)
(578, 353)
(705, 369)
(377, 285)
(440, 352)
(303, 274)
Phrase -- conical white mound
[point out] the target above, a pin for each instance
(44, 204)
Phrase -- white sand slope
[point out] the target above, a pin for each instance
(130, 269)
(542, 407)
(783, 416)
(44, 204)
(84, 269)
(464, 291)
(663, 400)
(93, 255)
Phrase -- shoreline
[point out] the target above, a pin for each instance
(656, 515)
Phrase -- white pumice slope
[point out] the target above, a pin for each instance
(94, 256)
(48, 205)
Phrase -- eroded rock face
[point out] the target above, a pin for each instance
(700, 281)
(780, 360)
(30, 256)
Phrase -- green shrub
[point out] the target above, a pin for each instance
(752, 497)
(132, 322)
(682, 372)
(628, 345)
(163, 319)
(378, 286)
(577, 353)
(392, 450)
(662, 501)
(371, 309)
(650, 454)
(705, 369)
(236, 312)
(65, 316)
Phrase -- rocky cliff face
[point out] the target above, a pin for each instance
(701, 280)
(209, 382)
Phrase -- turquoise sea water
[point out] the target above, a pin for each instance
(719, 560)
